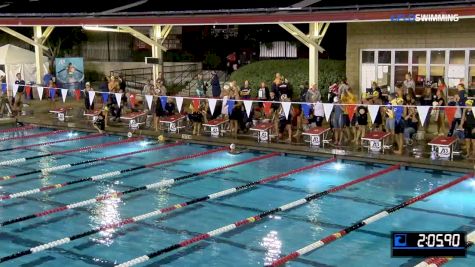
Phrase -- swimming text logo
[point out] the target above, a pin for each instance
(425, 18)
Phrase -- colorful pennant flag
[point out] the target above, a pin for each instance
(91, 94)
(105, 97)
(230, 105)
(351, 109)
(248, 106)
(196, 103)
(267, 106)
(163, 100)
(118, 98)
(40, 90)
(179, 103)
(450, 111)
(423, 111)
(52, 92)
(149, 99)
(212, 105)
(306, 110)
(327, 107)
(77, 94)
(286, 107)
(64, 93)
(373, 112)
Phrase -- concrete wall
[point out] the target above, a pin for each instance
(369, 35)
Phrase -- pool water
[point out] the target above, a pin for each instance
(255, 244)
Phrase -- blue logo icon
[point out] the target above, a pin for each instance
(400, 240)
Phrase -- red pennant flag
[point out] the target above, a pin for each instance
(267, 107)
(351, 111)
(450, 111)
(196, 104)
(77, 93)
(28, 91)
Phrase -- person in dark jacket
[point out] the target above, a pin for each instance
(215, 86)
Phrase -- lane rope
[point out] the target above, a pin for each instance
(32, 135)
(45, 171)
(439, 261)
(17, 129)
(105, 175)
(141, 217)
(82, 149)
(52, 142)
(157, 185)
(330, 238)
(253, 219)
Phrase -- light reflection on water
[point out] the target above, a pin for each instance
(273, 245)
(314, 211)
(104, 213)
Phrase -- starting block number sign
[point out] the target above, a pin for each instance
(172, 127)
(443, 151)
(315, 140)
(214, 131)
(375, 145)
(133, 125)
(61, 116)
(263, 136)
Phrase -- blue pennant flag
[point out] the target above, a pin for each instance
(163, 100)
(4, 87)
(105, 97)
(52, 92)
(230, 106)
(306, 110)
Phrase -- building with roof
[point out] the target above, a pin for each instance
(384, 40)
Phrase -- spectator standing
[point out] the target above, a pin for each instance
(441, 86)
(87, 104)
(21, 87)
(46, 78)
(245, 91)
(313, 94)
(408, 82)
(275, 85)
(103, 87)
(160, 89)
(263, 92)
(468, 125)
(200, 86)
(215, 85)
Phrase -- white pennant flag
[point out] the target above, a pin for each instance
(212, 104)
(64, 93)
(15, 89)
(248, 106)
(286, 107)
(40, 92)
(149, 99)
(473, 110)
(328, 110)
(373, 112)
(423, 111)
(118, 98)
(92, 94)
(179, 103)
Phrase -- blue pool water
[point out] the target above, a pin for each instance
(252, 245)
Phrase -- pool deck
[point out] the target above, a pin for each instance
(77, 122)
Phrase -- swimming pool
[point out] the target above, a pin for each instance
(47, 216)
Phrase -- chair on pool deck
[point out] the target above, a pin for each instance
(317, 136)
(173, 122)
(376, 141)
(216, 126)
(263, 131)
(61, 113)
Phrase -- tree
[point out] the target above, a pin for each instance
(62, 42)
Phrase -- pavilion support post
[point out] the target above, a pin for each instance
(317, 31)
(39, 62)
(313, 56)
(157, 69)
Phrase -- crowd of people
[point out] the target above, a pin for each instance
(349, 121)
(397, 114)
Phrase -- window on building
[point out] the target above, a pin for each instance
(389, 66)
